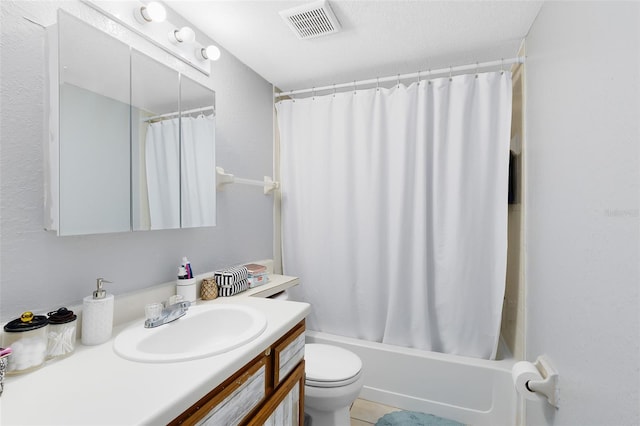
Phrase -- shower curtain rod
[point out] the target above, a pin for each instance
(170, 114)
(415, 75)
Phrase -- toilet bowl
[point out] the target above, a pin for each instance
(333, 381)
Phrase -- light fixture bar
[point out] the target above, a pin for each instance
(157, 33)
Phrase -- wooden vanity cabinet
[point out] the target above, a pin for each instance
(269, 390)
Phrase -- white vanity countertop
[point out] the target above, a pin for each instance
(94, 386)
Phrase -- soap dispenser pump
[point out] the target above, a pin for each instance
(97, 315)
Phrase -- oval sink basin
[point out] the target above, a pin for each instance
(205, 330)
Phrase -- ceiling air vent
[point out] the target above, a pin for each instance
(311, 20)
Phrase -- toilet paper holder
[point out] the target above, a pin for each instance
(548, 386)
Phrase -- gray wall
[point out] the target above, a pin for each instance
(582, 217)
(40, 271)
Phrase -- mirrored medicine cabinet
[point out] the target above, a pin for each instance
(132, 141)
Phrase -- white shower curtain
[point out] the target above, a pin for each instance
(162, 160)
(394, 211)
(180, 174)
(198, 171)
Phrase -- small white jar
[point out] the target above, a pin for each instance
(187, 289)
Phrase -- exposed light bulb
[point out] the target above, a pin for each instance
(210, 52)
(183, 35)
(155, 11)
(152, 12)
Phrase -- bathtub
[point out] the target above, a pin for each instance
(471, 391)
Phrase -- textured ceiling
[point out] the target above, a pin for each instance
(378, 38)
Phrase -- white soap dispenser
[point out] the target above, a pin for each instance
(97, 316)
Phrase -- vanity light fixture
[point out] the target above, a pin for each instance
(211, 53)
(151, 20)
(183, 35)
(152, 12)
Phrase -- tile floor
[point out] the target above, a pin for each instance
(365, 413)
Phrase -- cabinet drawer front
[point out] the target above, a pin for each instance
(239, 403)
(289, 353)
(291, 356)
(285, 407)
(288, 412)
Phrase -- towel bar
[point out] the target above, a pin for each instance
(223, 178)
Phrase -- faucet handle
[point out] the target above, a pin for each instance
(153, 310)
(176, 298)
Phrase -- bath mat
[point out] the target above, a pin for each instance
(413, 418)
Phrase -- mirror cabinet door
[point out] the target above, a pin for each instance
(94, 150)
(155, 150)
(198, 171)
(136, 138)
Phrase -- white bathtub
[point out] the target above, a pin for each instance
(471, 391)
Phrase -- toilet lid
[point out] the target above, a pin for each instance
(330, 364)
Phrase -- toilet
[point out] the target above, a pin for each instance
(333, 382)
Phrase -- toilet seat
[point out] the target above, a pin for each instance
(328, 366)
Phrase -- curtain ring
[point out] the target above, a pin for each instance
(313, 93)
(377, 84)
(418, 77)
(501, 66)
(477, 69)
(334, 90)
(354, 87)
(398, 81)
(429, 76)
(450, 71)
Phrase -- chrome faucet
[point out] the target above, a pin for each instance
(168, 314)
